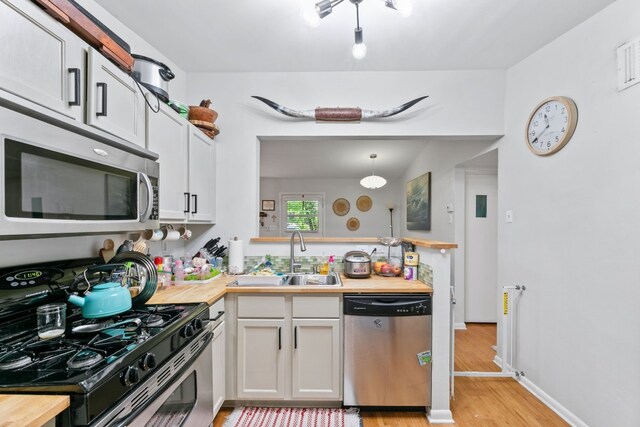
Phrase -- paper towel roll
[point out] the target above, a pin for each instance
(236, 257)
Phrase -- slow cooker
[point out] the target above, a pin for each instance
(152, 74)
(357, 264)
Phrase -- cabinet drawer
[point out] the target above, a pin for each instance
(271, 306)
(314, 306)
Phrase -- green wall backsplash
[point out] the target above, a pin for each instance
(281, 264)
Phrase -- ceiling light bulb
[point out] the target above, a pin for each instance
(323, 8)
(308, 12)
(359, 50)
(405, 7)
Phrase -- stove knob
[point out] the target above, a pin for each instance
(130, 376)
(187, 331)
(148, 361)
(197, 324)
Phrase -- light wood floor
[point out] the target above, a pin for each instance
(478, 402)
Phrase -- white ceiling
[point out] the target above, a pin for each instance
(270, 35)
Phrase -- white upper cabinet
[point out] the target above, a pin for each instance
(114, 102)
(187, 167)
(41, 60)
(202, 177)
(167, 135)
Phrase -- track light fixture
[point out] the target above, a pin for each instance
(324, 8)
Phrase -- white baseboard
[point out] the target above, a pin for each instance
(460, 326)
(440, 416)
(553, 404)
(497, 360)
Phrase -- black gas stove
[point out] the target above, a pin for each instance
(98, 362)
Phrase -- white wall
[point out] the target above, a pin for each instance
(373, 223)
(440, 158)
(574, 239)
(461, 103)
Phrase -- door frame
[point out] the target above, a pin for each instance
(460, 262)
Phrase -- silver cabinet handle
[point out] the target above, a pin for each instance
(146, 214)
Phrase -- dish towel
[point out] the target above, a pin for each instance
(293, 417)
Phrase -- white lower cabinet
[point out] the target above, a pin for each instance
(282, 357)
(260, 359)
(219, 368)
(315, 368)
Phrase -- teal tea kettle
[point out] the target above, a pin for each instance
(104, 299)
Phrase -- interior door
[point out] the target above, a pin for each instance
(481, 252)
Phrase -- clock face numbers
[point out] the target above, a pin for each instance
(551, 125)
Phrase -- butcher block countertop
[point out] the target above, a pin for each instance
(209, 293)
(21, 410)
(431, 244)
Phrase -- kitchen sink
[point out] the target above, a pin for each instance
(332, 279)
(296, 279)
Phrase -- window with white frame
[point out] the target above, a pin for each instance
(302, 212)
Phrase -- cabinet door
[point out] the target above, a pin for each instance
(218, 347)
(167, 134)
(260, 358)
(202, 176)
(114, 102)
(316, 359)
(41, 60)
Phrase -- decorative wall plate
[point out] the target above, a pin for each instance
(353, 224)
(364, 203)
(341, 207)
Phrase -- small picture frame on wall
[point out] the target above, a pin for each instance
(268, 205)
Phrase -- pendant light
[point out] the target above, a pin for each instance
(372, 181)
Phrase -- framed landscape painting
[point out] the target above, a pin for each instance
(419, 203)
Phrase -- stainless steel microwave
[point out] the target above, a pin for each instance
(55, 181)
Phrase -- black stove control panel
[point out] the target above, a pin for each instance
(29, 278)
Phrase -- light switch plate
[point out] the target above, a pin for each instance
(509, 216)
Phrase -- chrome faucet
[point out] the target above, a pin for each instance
(303, 248)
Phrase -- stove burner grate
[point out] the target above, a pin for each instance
(84, 359)
(14, 360)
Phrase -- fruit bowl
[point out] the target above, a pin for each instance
(388, 274)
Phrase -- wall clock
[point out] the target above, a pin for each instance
(551, 125)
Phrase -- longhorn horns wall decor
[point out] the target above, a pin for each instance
(339, 114)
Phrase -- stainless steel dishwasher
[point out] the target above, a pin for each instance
(387, 358)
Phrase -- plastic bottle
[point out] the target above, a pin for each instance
(161, 278)
(324, 266)
(331, 261)
(178, 272)
(166, 275)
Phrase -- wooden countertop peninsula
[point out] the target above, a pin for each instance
(431, 244)
(209, 293)
(22, 410)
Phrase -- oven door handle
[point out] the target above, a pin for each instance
(220, 314)
(144, 216)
